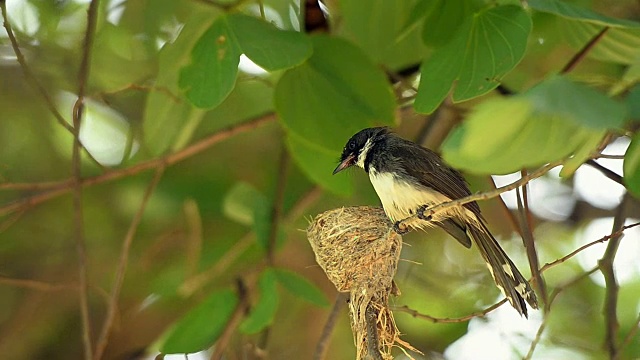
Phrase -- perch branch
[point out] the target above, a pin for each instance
(484, 195)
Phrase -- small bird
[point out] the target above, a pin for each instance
(409, 178)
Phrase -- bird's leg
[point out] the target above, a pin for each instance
(421, 214)
(400, 227)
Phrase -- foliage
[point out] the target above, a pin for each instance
(242, 115)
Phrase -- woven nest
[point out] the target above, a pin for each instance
(359, 251)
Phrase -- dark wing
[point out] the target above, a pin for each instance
(428, 168)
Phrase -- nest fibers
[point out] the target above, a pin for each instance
(359, 251)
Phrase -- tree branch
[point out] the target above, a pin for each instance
(436, 320)
(65, 186)
(83, 75)
(122, 266)
(605, 171)
(329, 325)
(578, 57)
(236, 317)
(33, 81)
(610, 308)
(528, 240)
(276, 208)
(483, 195)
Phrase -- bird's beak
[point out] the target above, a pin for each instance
(348, 161)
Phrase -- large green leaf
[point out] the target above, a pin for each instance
(318, 163)
(200, 327)
(619, 45)
(301, 287)
(631, 166)
(263, 313)
(484, 49)
(268, 46)
(571, 11)
(166, 111)
(388, 45)
(321, 103)
(336, 93)
(530, 141)
(211, 75)
(580, 103)
(443, 19)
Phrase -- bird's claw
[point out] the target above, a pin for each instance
(421, 214)
(400, 227)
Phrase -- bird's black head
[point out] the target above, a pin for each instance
(355, 151)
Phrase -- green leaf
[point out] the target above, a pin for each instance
(263, 313)
(166, 112)
(497, 43)
(439, 71)
(631, 168)
(200, 327)
(336, 93)
(618, 45)
(633, 102)
(268, 46)
(248, 206)
(301, 287)
(393, 45)
(504, 135)
(443, 19)
(582, 104)
(583, 153)
(211, 75)
(570, 11)
(318, 163)
(484, 49)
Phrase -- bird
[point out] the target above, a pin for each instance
(408, 178)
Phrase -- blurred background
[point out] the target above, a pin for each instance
(201, 228)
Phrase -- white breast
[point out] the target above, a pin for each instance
(401, 199)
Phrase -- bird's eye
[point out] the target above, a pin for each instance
(352, 145)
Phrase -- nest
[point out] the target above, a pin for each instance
(359, 251)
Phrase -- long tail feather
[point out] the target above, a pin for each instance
(507, 277)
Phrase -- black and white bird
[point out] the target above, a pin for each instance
(408, 178)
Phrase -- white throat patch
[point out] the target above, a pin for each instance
(363, 153)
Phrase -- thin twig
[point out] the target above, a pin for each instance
(35, 284)
(189, 151)
(528, 241)
(578, 57)
(33, 80)
(485, 195)
(605, 238)
(548, 304)
(236, 317)
(83, 75)
(329, 325)
(506, 211)
(26, 70)
(122, 266)
(437, 320)
(610, 308)
(605, 171)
